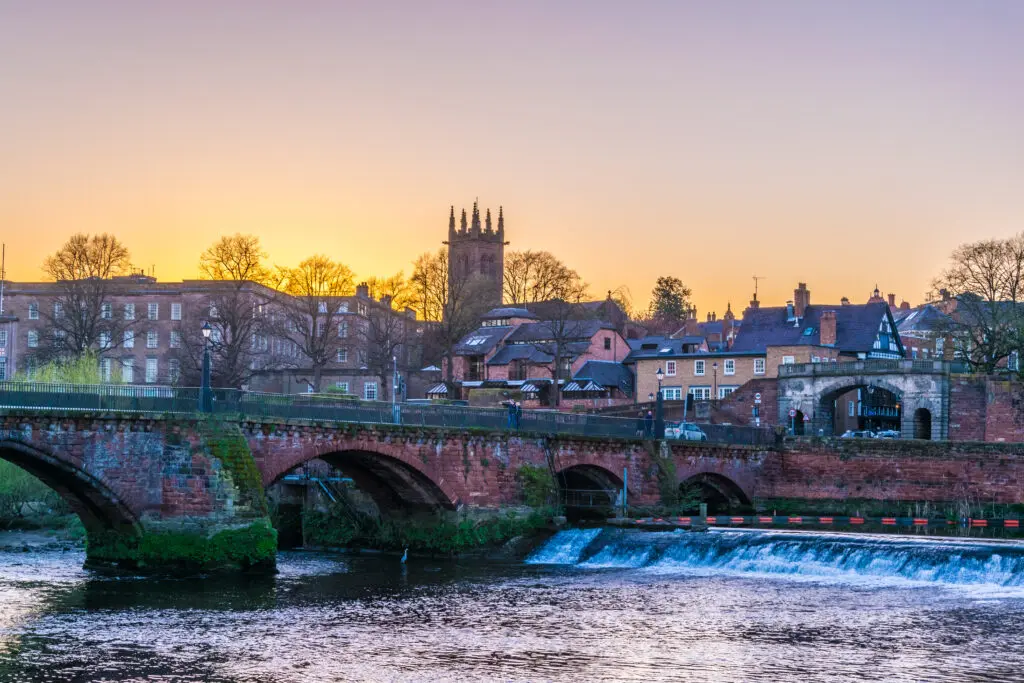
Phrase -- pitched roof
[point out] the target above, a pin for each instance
(856, 327)
(603, 309)
(607, 374)
(508, 312)
(544, 331)
(925, 318)
(480, 341)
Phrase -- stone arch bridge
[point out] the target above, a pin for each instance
(155, 490)
(921, 387)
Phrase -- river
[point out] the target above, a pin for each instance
(585, 606)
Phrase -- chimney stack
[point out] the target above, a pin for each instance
(801, 299)
(892, 300)
(789, 311)
(827, 328)
(363, 290)
(845, 301)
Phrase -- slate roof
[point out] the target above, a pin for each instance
(543, 331)
(607, 374)
(927, 318)
(508, 312)
(604, 309)
(666, 347)
(480, 341)
(856, 328)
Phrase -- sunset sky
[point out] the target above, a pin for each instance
(839, 143)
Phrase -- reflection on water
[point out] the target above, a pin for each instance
(588, 606)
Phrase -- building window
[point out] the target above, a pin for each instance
(321, 307)
(151, 370)
(730, 367)
(129, 339)
(1013, 362)
(320, 327)
(152, 339)
(370, 391)
(175, 311)
(361, 308)
(104, 369)
(723, 392)
(3, 337)
(107, 311)
(913, 352)
(670, 368)
(607, 343)
(129, 311)
(788, 360)
(33, 311)
(343, 308)
(701, 393)
(33, 339)
(3, 369)
(672, 393)
(175, 339)
(851, 408)
(153, 311)
(940, 345)
(127, 370)
(173, 370)
(343, 329)
(698, 368)
(104, 340)
(759, 366)
(341, 386)
(58, 309)
(342, 355)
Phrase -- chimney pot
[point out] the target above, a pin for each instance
(827, 328)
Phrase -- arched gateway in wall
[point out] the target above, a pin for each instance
(913, 387)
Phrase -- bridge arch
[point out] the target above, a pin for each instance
(393, 483)
(720, 493)
(587, 490)
(877, 405)
(95, 503)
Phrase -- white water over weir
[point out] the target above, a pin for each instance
(854, 558)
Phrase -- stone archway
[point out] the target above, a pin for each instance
(874, 405)
(588, 491)
(721, 494)
(99, 508)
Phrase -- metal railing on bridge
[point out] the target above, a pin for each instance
(161, 400)
(868, 367)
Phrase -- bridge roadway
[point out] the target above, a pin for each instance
(143, 470)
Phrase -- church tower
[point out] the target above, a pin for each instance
(477, 251)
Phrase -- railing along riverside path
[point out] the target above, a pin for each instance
(869, 367)
(134, 399)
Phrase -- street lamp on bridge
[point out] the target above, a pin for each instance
(659, 411)
(205, 391)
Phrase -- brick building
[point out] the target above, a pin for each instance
(146, 333)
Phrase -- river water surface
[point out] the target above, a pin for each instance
(586, 606)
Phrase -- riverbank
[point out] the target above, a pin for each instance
(35, 540)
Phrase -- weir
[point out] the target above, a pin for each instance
(847, 558)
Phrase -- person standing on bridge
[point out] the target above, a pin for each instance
(640, 424)
(511, 414)
(519, 414)
(649, 424)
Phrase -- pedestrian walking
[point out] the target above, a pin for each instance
(640, 423)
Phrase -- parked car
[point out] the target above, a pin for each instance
(887, 434)
(685, 431)
(859, 434)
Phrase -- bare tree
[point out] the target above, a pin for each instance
(384, 335)
(82, 316)
(452, 301)
(311, 303)
(395, 289)
(562, 326)
(237, 303)
(985, 282)
(532, 276)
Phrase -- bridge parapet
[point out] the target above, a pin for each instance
(867, 367)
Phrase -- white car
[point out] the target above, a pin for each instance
(685, 431)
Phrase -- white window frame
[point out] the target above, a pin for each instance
(128, 370)
(670, 368)
(152, 339)
(153, 311)
(32, 339)
(343, 386)
(729, 366)
(724, 392)
(33, 311)
(152, 370)
(173, 370)
(107, 310)
(129, 339)
(343, 329)
(672, 393)
(759, 366)
(129, 311)
(370, 391)
(3, 338)
(700, 393)
(175, 311)
(104, 339)
(789, 360)
(341, 356)
(699, 367)
(105, 370)
(58, 309)
(175, 340)
(851, 408)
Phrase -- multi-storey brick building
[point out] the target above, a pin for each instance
(145, 332)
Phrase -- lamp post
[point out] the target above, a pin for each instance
(205, 391)
(714, 375)
(659, 412)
